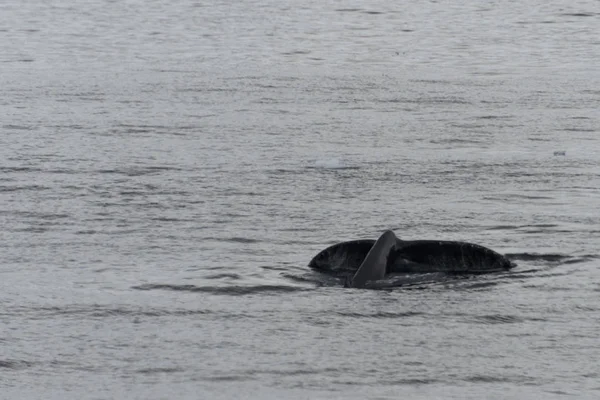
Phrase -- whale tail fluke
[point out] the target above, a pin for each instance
(364, 261)
(375, 265)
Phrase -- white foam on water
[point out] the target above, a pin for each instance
(331, 163)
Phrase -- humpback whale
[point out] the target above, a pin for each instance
(365, 261)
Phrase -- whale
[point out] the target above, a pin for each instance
(365, 261)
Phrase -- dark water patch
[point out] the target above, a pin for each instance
(209, 89)
(137, 102)
(555, 258)
(270, 85)
(544, 274)
(576, 130)
(378, 315)
(296, 372)
(222, 276)
(237, 239)
(411, 382)
(348, 9)
(549, 289)
(294, 53)
(577, 260)
(88, 98)
(98, 311)
(333, 167)
(32, 229)
(254, 374)
(553, 231)
(373, 12)
(502, 227)
(132, 193)
(540, 226)
(535, 22)
(579, 14)
(19, 127)
(497, 319)
(65, 171)
(18, 188)
(455, 141)
(482, 285)
(228, 378)
(530, 197)
(19, 169)
(285, 372)
(15, 364)
(159, 370)
(151, 129)
(494, 117)
(232, 192)
(488, 379)
(283, 171)
(564, 393)
(423, 100)
(274, 268)
(138, 171)
(224, 290)
(171, 219)
(586, 308)
(520, 274)
(36, 215)
(102, 313)
(467, 125)
(444, 100)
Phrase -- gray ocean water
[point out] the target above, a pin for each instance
(168, 169)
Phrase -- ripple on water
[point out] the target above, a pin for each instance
(224, 290)
(15, 364)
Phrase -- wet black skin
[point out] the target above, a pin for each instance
(412, 257)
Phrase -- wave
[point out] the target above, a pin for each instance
(549, 257)
(224, 290)
(379, 315)
(101, 311)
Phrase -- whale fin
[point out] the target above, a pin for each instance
(374, 266)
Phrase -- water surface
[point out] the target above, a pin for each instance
(168, 170)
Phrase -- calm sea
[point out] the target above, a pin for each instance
(168, 169)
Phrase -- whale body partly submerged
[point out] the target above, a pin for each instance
(366, 261)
